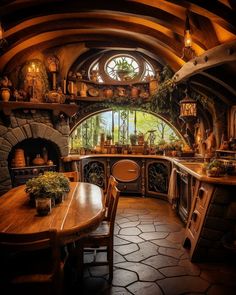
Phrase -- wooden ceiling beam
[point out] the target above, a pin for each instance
(221, 54)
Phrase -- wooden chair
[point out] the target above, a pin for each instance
(31, 263)
(101, 239)
(72, 175)
(112, 182)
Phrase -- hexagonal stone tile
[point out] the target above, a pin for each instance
(167, 244)
(145, 228)
(191, 268)
(159, 261)
(130, 231)
(169, 227)
(123, 277)
(146, 249)
(119, 241)
(184, 284)
(120, 220)
(177, 237)
(129, 224)
(117, 291)
(126, 249)
(173, 271)
(133, 218)
(176, 253)
(118, 258)
(144, 272)
(132, 239)
(143, 288)
(153, 235)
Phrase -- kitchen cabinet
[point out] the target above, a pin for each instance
(157, 177)
(94, 170)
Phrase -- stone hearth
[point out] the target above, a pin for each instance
(21, 125)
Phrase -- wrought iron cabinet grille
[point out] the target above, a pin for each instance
(157, 176)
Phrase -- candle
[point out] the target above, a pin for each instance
(72, 87)
(64, 86)
(54, 81)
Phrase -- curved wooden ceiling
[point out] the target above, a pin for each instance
(150, 26)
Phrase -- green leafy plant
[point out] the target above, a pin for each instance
(215, 168)
(133, 138)
(48, 185)
(123, 65)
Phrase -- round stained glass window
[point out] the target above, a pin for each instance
(122, 68)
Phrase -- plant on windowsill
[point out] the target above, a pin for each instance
(50, 187)
(133, 139)
(124, 70)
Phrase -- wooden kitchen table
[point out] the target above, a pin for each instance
(80, 213)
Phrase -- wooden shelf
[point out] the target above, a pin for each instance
(56, 108)
(226, 151)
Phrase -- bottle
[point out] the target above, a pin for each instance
(45, 155)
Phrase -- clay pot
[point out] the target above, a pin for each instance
(5, 94)
(19, 159)
(108, 93)
(38, 160)
(134, 92)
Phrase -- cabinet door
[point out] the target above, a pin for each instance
(94, 171)
(128, 174)
(157, 175)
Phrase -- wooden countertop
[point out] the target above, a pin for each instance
(77, 157)
(193, 168)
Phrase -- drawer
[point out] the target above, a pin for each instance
(203, 195)
(129, 187)
(195, 222)
(125, 170)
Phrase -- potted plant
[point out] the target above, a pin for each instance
(108, 138)
(47, 189)
(124, 69)
(133, 139)
(215, 168)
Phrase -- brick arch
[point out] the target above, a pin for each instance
(12, 136)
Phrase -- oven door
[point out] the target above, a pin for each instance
(184, 201)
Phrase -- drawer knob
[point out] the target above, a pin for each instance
(194, 215)
(201, 193)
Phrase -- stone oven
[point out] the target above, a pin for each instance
(31, 130)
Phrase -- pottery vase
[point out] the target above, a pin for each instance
(5, 94)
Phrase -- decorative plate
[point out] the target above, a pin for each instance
(93, 92)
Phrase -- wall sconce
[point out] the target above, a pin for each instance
(3, 41)
(188, 51)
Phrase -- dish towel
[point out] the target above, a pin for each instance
(173, 188)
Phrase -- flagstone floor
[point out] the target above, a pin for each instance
(149, 258)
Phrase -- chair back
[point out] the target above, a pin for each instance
(30, 258)
(72, 175)
(112, 208)
(111, 183)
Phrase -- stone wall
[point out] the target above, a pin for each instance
(22, 125)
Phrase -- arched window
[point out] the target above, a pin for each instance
(119, 126)
(121, 67)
